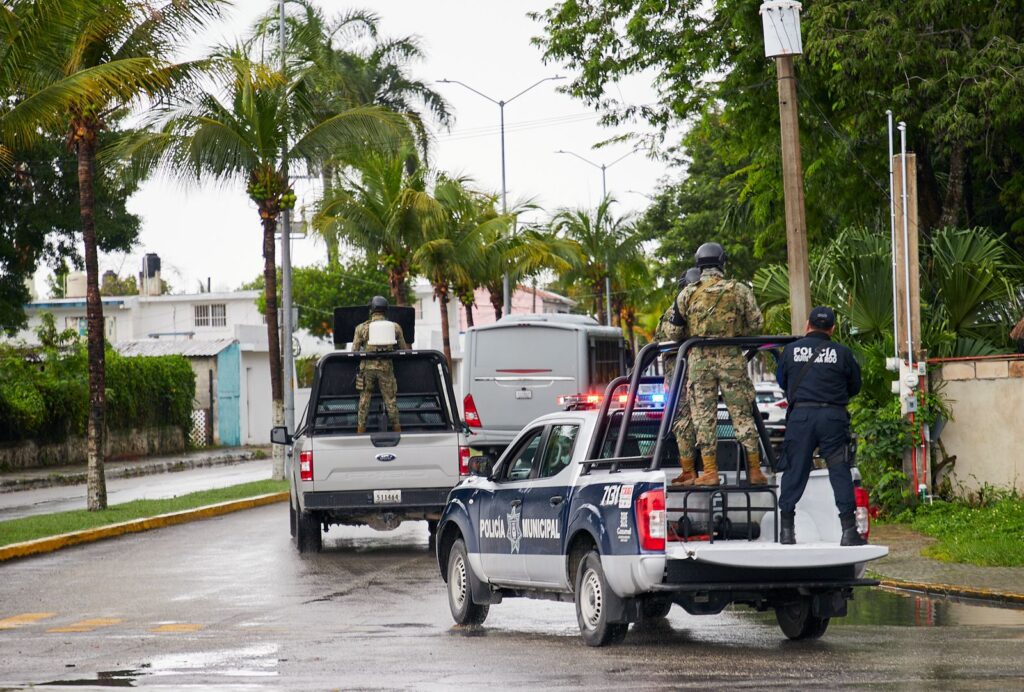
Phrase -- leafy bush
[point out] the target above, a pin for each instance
(44, 394)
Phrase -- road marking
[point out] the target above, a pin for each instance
(178, 627)
(87, 625)
(23, 619)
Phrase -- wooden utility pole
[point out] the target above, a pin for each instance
(908, 274)
(793, 187)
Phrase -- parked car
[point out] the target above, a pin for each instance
(771, 402)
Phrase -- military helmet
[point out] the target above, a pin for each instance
(710, 255)
(378, 304)
(691, 276)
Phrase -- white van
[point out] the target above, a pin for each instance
(517, 368)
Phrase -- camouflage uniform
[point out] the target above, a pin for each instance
(682, 426)
(377, 373)
(716, 306)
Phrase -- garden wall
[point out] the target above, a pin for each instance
(986, 396)
(120, 444)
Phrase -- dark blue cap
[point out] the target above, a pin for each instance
(822, 317)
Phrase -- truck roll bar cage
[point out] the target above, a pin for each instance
(648, 354)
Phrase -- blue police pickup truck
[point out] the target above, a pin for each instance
(577, 509)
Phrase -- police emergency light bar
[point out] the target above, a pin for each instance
(346, 320)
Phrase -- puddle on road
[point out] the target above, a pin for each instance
(905, 609)
(105, 678)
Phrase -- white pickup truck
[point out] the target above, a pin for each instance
(379, 478)
(578, 509)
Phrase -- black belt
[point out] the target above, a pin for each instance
(817, 404)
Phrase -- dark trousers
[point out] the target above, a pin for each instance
(826, 429)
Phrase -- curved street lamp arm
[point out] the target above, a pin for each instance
(537, 83)
(466, 86)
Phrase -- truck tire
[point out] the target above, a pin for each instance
(460, 595)
(308, 538)
(592, 592)
(797, 622)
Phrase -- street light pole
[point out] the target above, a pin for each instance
(604, 196)
(501, 103)
(286, 270)
(782, 40)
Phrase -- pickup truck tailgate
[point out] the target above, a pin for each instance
(419, 460)
(765, 555)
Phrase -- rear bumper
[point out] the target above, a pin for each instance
(413, 500)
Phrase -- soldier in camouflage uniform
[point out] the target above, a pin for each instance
(377, 373)
(716, 306)
(672, 327)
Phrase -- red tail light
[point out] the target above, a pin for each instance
(463, 461)
(471, 415)
(306, 465)
(650, 520)
(863, 513)
(783, 404)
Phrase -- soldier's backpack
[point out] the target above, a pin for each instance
(714, 308)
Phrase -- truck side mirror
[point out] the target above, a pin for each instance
(481, 465)
(280, 436)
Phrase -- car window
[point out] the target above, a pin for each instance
(520, 465)
(558, 451)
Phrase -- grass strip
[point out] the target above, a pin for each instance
(45, 525)
(989, 536)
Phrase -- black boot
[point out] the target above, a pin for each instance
(787, 534)
(850, 534)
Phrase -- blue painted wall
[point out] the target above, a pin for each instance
(229, 379)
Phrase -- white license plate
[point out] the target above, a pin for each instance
(524, 394)
(384, 497)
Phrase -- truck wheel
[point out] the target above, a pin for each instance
(796, 621)
(592, 594)
(308, 538)
(460, 597)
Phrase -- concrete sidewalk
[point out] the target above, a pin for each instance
(906, 568)
(50, 476)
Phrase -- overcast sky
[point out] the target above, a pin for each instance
(215, 233)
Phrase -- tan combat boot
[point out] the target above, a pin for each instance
(396, 428)
(710, 475)
(689, 473)
(754, 475)
(360, 429)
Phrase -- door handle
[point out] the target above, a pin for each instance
(516, 503)
(556, 500)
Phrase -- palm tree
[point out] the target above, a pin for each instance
(604, 241)
(450, 245)
(969, 280)
(378, 207)
(243, 133)
(343, 68)
(77, 65)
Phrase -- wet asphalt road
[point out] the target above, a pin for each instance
(227, 603)
(23, 503)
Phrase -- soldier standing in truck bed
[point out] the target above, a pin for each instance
(377, 373)
(672, 327)
(716, 306)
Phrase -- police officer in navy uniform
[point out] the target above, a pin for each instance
(819, 376)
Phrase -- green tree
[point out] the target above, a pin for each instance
(953, 74)
(76, 66)
(317, 290)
